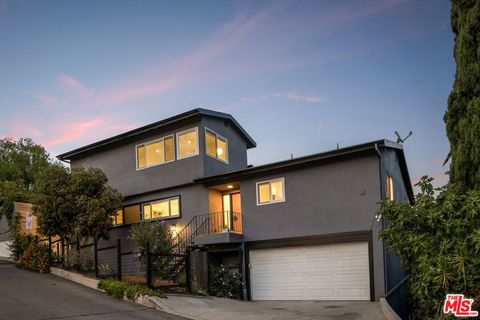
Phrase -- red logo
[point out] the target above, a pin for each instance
(459, 306)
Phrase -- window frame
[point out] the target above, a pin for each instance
(217, 136)
(143, 204)
(177, 145)
(282, 179)
(144, 144)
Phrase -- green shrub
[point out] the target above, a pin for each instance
(225, 283)
(437, 240)
(106, 271)
(35, 257)
(120, 289)
(158, 236)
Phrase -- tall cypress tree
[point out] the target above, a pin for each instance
(462, 118)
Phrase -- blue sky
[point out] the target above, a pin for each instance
(300, 76)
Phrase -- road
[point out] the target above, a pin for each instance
(26, 295)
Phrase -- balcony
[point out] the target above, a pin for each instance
(219, 227)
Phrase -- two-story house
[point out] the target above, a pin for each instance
(300, 229)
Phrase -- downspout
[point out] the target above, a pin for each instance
(244, 273)
(382, 196)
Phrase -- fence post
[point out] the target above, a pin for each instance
(149, 265)
(50, 249)
(188, 279)
(63, 253)
(95, 256)
(119, 260)
(77, 244)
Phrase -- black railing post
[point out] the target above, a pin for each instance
(187, 270)
(95, 256)
(50, 249)
(119, 260)
(63, 252)
(77, 244)
(149, 265)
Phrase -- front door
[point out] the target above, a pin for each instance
(231, 208)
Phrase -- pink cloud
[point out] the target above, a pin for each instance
(45, 99)
(75, 86)
(74, 131)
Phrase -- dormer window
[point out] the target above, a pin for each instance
(216, 145)
(155, 152)
(187, 143)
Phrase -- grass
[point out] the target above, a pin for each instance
(120, 289)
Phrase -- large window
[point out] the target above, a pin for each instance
(216, 145)
(271, 191)
(165, 208)
(389, 188)
(155, 152)
(132, 214)
(187, 143)
(117, 218)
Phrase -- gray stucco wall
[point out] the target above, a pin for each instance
(237, 147)
(391, 166)
(118, 162)
(334, 198)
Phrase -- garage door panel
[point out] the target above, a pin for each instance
(327, 272)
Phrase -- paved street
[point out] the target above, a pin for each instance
(26, 295)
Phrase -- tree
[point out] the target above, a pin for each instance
(20, 163)
(76, 204)
(95, 202)
(462, 118)
(437, 240)
(54, 203)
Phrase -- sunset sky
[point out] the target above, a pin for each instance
(300, 76)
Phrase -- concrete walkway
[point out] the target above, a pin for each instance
(199, 308)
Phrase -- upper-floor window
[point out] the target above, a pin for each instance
(216, 145)
(155, 152)
(271, 191)
(389, 188)
(187, 143)
(165, 208)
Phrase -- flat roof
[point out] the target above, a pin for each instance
(156, 125)
(350, 151)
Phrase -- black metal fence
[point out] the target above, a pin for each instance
(123, 260)
(397, 298)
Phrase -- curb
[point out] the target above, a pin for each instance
(387, 311)
(75, 277)
(143, 300)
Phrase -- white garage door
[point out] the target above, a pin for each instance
(325, 272)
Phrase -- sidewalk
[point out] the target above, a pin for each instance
(207, 308)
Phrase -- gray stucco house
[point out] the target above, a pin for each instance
(300, 229)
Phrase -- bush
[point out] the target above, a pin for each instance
(106, 271)
(120, 289)
(35, 257)
(19, 244)
(438, 243)
(225, 283)
(159, 237)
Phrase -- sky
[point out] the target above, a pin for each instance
(299, 76)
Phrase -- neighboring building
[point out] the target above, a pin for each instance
(300, 229)
(27, 225)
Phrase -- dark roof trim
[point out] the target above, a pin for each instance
(319, 157)
(153, 126)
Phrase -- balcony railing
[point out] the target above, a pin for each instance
(221, 222)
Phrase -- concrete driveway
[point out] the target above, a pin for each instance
(226, 309)
(31, 296)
